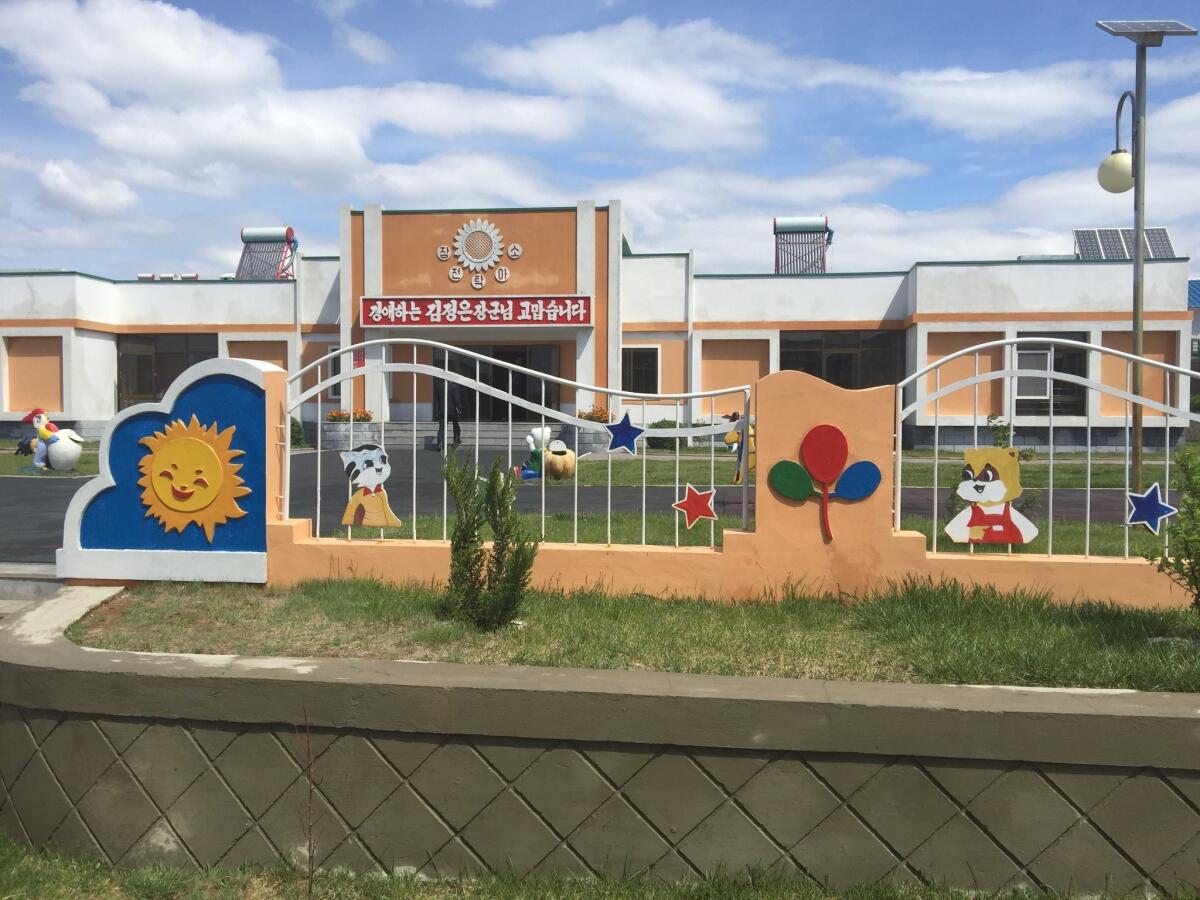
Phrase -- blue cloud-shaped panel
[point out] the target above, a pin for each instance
(116, 519)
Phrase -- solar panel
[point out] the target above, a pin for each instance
(1160, 243)
(1111, 243)
(1130, 243)
(1087, 244)
(261, 261)
(1160, 26)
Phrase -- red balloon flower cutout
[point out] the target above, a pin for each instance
(824, 452)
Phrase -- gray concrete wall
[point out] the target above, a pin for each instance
(449, 770)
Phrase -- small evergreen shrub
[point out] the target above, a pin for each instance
(486, 588)
(1182, 561)
(662, 443)
(297, 433)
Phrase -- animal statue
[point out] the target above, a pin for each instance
(991, 481)
(368, 468)
(560, 461)
(52, 448)
(537, 440)
(733, 440)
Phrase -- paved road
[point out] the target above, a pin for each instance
(33, 508)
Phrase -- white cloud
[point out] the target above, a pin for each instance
(366, 46)
(461, 179)
(337, 9)
(76, 187)
(477, 4)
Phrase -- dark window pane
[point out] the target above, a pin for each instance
(639, 370)
(841, 368)
(802, 361)
(841, 340)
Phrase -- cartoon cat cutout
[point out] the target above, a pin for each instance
(991, 481)
(368, 468)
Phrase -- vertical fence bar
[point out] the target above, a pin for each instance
(645, 451)
(287, 459)
(937, 409)
(1011, 358)
(320, 428)
(1087, 493)
(608, 489)
(510, 405)
(545, 450)
(383, 377)
(975, 407)
(414, 443)
(896, 465)
(445, 437)
(1050, 467)
(1167, 376)
(712, 467)
(1128, 389)
(478, 399)
(575, 486)
(746, 461)
(675, 518)
(349, 483)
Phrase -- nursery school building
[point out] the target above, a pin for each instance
(563, 291)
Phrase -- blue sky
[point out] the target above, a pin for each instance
(139, 136)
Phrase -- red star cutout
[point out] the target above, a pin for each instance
(696, 505)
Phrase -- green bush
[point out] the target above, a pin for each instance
(486, 589)
(297, 433)
(662, 443)
(1182, 560)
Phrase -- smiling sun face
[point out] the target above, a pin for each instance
(188, 476)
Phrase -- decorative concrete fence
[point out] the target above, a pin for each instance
(448, 770)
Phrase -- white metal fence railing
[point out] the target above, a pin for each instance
(345, 367)
(1050, 410)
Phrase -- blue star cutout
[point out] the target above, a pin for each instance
(1148, 509)
(624, 435)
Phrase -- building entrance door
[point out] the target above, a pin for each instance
(538, 357)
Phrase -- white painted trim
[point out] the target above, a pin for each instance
(249, 369)
(163, 565)
(614, 295)
(660, 336)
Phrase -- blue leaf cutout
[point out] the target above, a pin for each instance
(858, 481)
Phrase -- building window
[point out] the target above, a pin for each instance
(148, 363)
(639, 370)
(335, 369)
(849, 359)
(1034, 395)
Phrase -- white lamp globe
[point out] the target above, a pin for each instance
(1116, 172)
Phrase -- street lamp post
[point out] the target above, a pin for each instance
(1117, 176)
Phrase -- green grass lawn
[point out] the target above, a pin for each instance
(1107, 538)
(593, 529)
(913, 631)
(25, 875)
(660, 469)
(1071, 474)
(11, 464)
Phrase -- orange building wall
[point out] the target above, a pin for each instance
(727, 363)
(962, 402)
(411, 266)
(1160, 346)
(672, 363)
(264, 351)
(34, 373)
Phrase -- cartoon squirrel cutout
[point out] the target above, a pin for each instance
(368, 468)
(991, 481)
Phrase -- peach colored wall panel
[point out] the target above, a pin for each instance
(1160, 346)
(963, 402)
(274, 352)
(672, 363)
(34, 373)
(727, 363)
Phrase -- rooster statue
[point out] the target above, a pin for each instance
(51, 447)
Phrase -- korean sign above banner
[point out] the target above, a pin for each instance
(395, 312)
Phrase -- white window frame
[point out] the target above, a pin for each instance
(1047, 356)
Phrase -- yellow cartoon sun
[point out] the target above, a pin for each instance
(188, 477)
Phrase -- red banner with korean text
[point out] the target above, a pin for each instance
(396, 312)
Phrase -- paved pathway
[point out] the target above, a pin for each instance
(33, 508)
